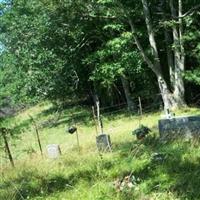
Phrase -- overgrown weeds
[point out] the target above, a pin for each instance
(162, 170)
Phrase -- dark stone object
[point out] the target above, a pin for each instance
(72, 129)
(187, 127)
(141, 132)
(159, 157)
(103, 142)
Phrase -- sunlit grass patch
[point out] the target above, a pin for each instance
(172, 174)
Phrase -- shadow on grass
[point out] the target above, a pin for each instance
(84, 114)
(66, 114)
(31, 184)
(84, 119)
(19, 128)
(175, 169)
(171, 166)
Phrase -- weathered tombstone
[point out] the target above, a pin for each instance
(186, 127)
(103, 142)
(53, 151)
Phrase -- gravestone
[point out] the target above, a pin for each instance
(53, 151)
(187, 127)
(103, 142)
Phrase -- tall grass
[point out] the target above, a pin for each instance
(89, 175)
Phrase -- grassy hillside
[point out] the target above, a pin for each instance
(157, 170)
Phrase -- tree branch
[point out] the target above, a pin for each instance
(191, 11)
(140, 48)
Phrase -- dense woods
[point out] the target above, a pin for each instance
(114, 49)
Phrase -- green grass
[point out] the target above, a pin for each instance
(89, 175)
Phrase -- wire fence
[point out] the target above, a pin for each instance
(87, 117)
(142, 105)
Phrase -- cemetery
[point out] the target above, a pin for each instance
(135, 135)
(99, 100)
(115, 143)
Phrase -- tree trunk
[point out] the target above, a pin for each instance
(127, 92)
(150, 31)
(179, 90)
(180, 13)
(170, 59)
(168, 97)
(168, 41)
(165, 92)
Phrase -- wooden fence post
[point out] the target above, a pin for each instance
(77, 136)
(94, 118)
(140, 110)
(99, 118)
(37, 134)
(7, 148)
(140, 106)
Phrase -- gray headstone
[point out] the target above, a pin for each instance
(187, 127)
(103, 142)
(53, 151)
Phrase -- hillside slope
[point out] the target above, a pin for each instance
(152, 169)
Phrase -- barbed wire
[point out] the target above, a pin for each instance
(108, 111)
(105, 111)
(113, 106)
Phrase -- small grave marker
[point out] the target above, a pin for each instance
(53, 151)
(103, 142)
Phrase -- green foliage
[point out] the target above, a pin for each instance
(58, 50)
(115, 59)
(41, 49)
(51, 53)
(191, 37)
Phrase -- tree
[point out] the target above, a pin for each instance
(114, 62)
(63, 49)
(169, 99)
(46, 47)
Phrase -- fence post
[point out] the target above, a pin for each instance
(77, 136)
(99, 118)
(37, 134)
(7, 148)
(140, 106)
(94, 118)
(140, 110)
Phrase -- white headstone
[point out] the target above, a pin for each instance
(53, 151)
